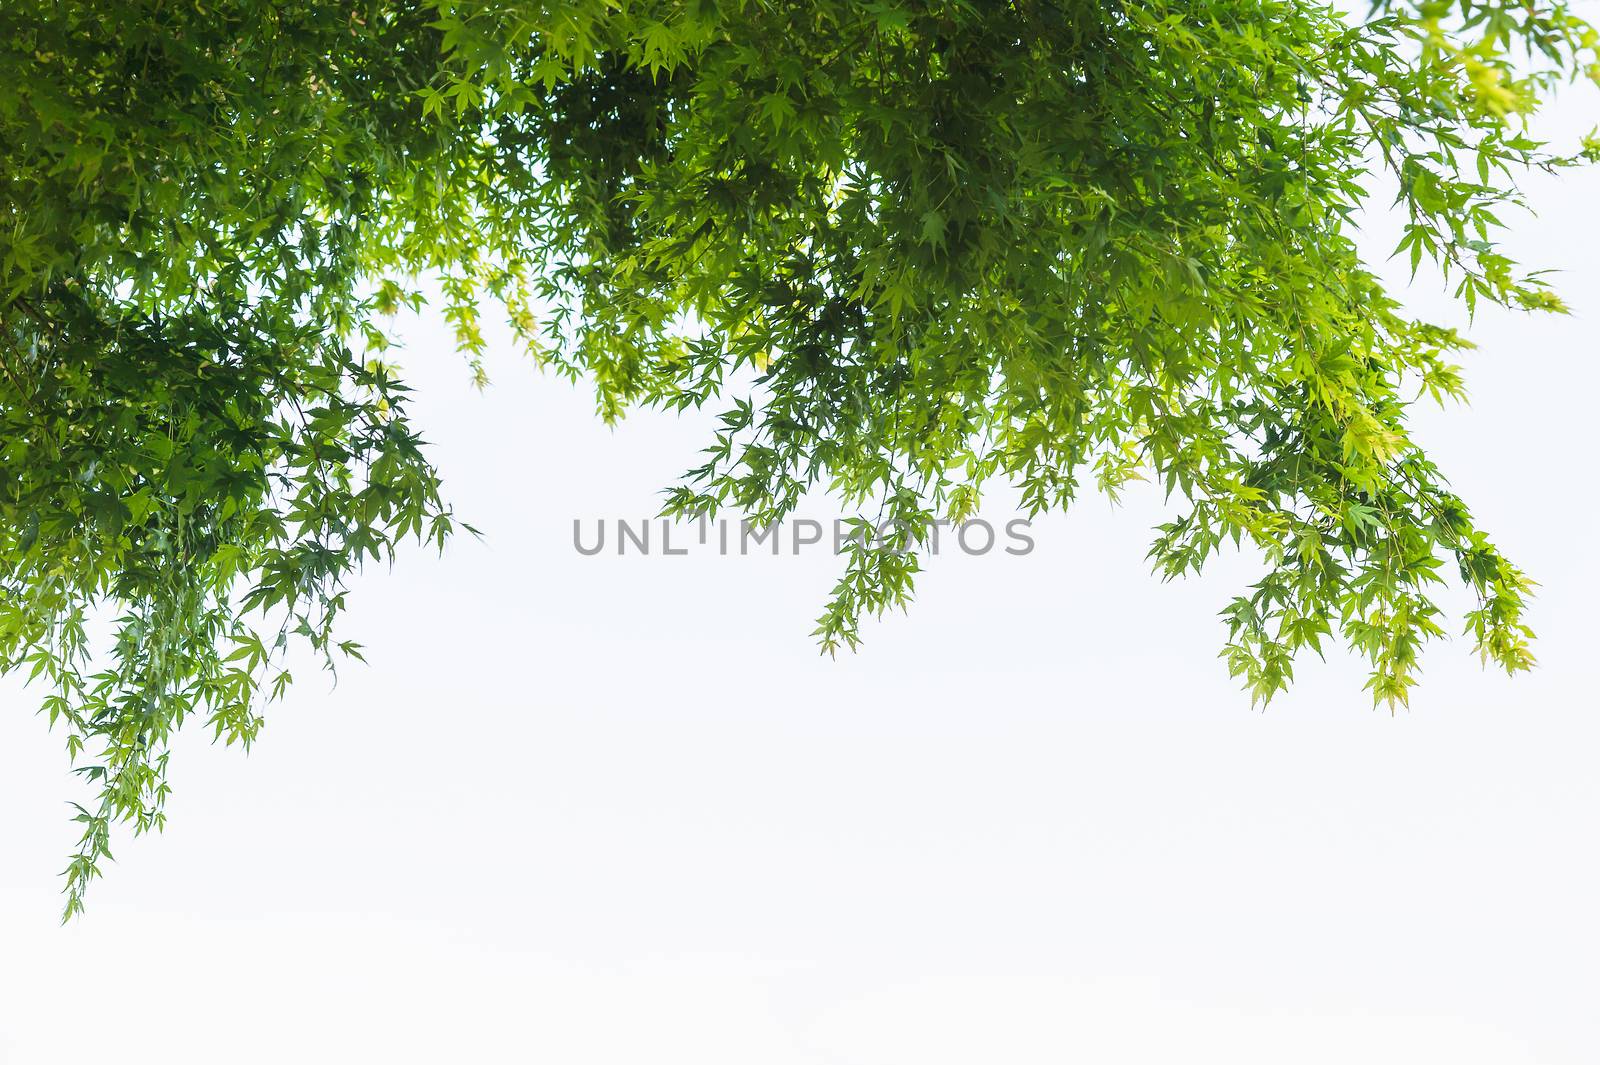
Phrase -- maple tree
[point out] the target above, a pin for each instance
(1046, 242)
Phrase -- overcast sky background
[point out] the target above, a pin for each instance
(600, 810)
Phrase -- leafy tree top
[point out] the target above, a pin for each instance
(950, 241)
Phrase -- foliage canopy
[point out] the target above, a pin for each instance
(955, 240)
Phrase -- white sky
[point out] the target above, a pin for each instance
(602, 810)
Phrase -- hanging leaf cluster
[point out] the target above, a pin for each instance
(911, 247)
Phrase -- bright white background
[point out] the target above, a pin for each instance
(601, 810)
